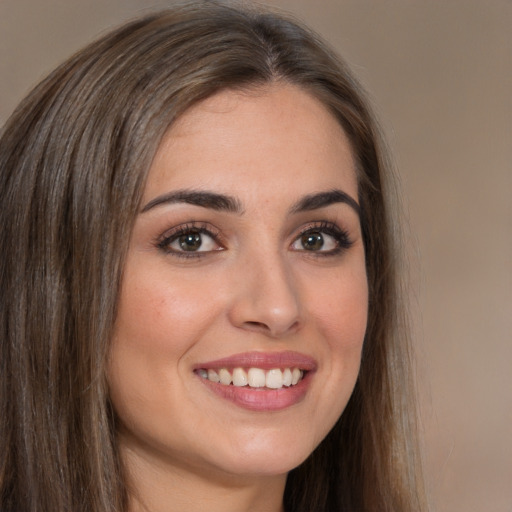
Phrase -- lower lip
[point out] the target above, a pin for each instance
(261, 399)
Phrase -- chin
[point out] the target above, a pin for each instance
(268, 455)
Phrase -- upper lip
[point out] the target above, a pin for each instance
(263, 360)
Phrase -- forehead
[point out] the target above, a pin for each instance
(278, 135)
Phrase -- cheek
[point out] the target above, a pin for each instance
(162, 313)
(341, 309)
(160, 319)
(341, 313)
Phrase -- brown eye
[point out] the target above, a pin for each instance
(190, 241)
(312, 241)
(324, 239)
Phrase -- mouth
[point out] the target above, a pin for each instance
(259, 381)
(255, 378)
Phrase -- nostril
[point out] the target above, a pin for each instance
(257, 325)
(269, 330)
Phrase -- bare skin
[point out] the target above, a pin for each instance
(246, 258)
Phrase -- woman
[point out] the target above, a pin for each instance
(199, 301)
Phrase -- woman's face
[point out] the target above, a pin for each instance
(246, 264)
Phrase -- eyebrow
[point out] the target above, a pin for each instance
(323, 199)
(212, 200)
(222, 202)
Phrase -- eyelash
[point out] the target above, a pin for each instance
(192, 227)
(340, 236)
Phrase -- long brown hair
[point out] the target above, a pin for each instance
(73, 162)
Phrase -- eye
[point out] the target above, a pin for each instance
(326, 238)
(189, 241)
(315, 241)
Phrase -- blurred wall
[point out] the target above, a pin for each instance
(441, 76)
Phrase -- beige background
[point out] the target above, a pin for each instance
(441, 75)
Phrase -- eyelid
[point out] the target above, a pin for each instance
(340, 235)
(164, 240)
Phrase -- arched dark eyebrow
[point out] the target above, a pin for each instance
(323, 199)
(202, 198)
(222, 202)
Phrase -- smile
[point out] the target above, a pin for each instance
(259, 381)
(275, 378)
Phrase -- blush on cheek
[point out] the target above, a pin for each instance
(347, 327)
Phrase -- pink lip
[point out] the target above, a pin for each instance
(262, 399)
(263, 360)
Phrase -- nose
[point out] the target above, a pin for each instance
(265, 298)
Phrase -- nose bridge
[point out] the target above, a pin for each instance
(267, 297)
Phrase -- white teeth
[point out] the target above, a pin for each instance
(254, 377)
(239, 377)
(225, 377)
(213, 376)
(287, 377)
(274, 379)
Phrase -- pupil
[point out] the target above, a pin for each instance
(190, 241)
(312, 241)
